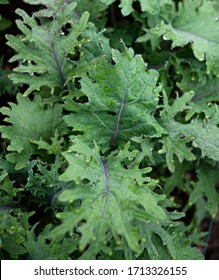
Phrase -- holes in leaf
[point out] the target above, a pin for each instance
(37, 20)
(180, 117)
(47, 241)
(30, 62)
(81, 99)
(74, 56)
(65, 30)
(200, 115)
(111, 113)
(85, 181)
(137, 7)
(77, 132)
(77, 83)
(217, 188)
(113, 62)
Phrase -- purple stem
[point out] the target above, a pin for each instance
(56, 60)
(155, 66)
(107, 186)
(58, 64)
(54, 52)
(195, 98)
(6, 207)
(107, 176)
(77, 14)
(116, 131)
(3, 77)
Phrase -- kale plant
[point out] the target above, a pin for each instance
(111, 148)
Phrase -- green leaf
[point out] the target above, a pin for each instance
(147, 147)
(193, 77)
(195, 23)
(3, 2)
(6, 85)
(101, 186)
(111, 201)
(43, 184)
(208, 177)
(152, 248)
(39, 248)
(52, 7)
(154, 7)
(29, 121)
(151, 7)
(42, 50)
(4, 23)
(97, 47)
(183, 137)
(7, 192)
(96, 9)
(122, 99)
(13, 227)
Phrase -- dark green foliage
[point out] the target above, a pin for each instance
(98, 144)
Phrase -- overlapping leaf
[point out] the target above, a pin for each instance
(111, 200)
(122, 99)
